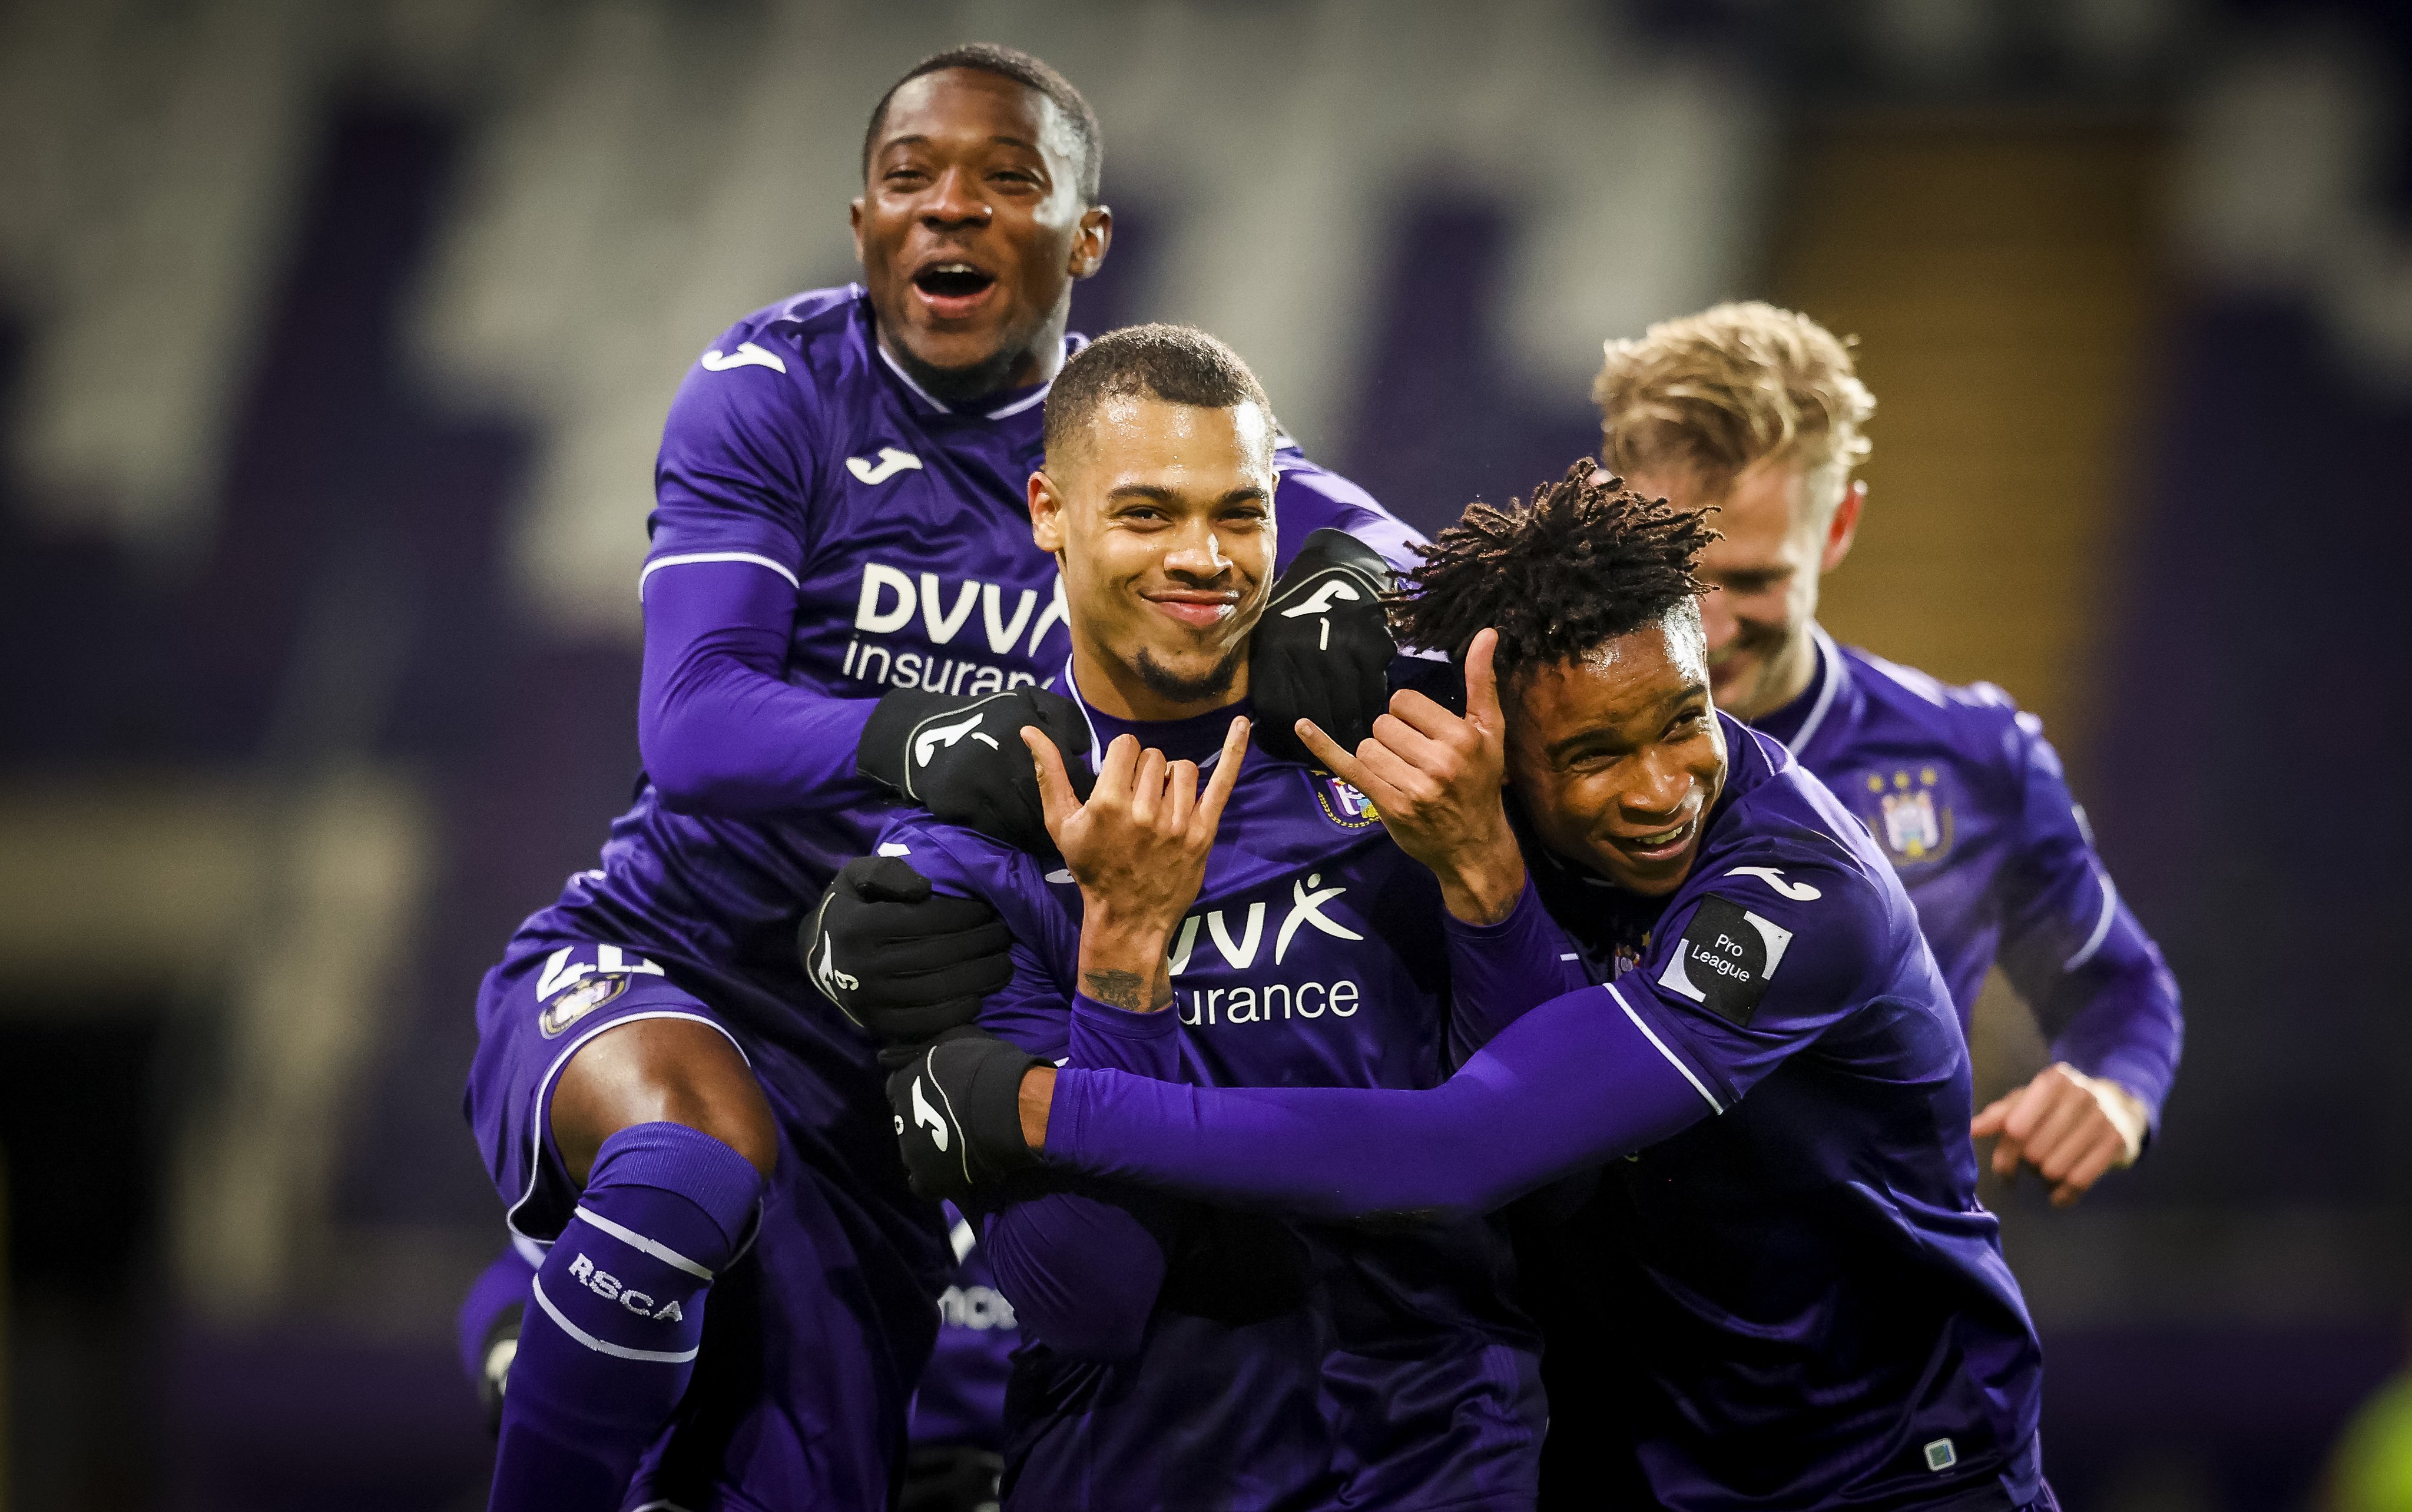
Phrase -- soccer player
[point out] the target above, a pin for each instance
(1815, 1309)
(841, 601)
(1176, 1356)
(1756, 412)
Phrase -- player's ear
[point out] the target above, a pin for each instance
(1046, 514)
(1089, 243)
(1844, 528)
(854, 223)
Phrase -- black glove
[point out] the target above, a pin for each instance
(903, 960)
(958, 1113)
(962, 757)
(1323, 646)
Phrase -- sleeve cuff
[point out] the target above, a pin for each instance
(1519, 918)
(1120, 1022)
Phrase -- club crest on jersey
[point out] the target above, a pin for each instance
(1343, 804)
(570, 989)
(1912, 819)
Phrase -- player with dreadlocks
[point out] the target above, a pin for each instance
(1767, 1074)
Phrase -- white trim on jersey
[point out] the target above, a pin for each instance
(687, 558)
(1020, 405)
(526, 1248)
(1698, 1085)
(2101, 926)
(906, 379)
(644, 1245)
(603, 1346)
(1829, 660)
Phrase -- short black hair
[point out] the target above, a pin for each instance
(1020, 66)
(1178, 364)
(1585, 562)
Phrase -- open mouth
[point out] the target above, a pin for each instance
(952, 289)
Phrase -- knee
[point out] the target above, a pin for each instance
(660, 1071)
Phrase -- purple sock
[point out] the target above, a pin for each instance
(489, 1325)
(615, 1313)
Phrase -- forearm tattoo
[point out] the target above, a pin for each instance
(1128, 989)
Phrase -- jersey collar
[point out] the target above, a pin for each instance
(1010, 403)
(1197, 737)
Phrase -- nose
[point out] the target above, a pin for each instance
(954, 200)
(1196, 551)
(1660, 785)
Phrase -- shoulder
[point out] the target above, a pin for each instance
(780, 365)
(1784, 841)
(1974, 723)
(1309, 497)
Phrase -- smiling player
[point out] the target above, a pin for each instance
(841, 603)
(1175, 1356)
(1758, 412)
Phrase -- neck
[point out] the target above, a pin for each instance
(1037, 361)
(1112, 686)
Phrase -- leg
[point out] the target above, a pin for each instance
(664, 1127)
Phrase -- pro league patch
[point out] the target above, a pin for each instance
(1725, 959)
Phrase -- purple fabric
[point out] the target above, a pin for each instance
(1335, 1152)
(1083, 1268)
(1967, 801)
(1498, 972)
(1815, 1308)
(723, 732)
(1305, 1365)
(608, 1349)
(501, 1286)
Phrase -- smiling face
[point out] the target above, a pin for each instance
(971, 231)
(1618, 755)
(1778, 542)
(1160, 516)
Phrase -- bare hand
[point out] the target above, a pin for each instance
(2071, 1127)
(1138, 848)
(1435, 779)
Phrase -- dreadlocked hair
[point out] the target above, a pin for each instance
(1582, 564)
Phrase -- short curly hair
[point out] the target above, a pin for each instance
(1582, 564)
(1715, 393)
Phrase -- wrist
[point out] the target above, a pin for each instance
(1482, 886)
(1037, 1101)
(1122, 962)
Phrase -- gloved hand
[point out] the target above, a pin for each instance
(1323, 646)
(962, 758)
(903, 960)
(958, 1113)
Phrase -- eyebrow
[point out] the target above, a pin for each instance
(1581, 738)
(918, 139)
(1163, 495)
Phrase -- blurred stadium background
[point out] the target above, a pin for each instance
(334, 342)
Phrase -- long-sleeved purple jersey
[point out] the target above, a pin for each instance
(1966, 799)
(824, 532)
(1179, 1355)
(1813, 1306)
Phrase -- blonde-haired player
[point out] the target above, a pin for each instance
(1758, 411)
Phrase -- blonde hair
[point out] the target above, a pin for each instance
(1719, 392)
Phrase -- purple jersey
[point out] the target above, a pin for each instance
(1813, 1308)
(1269, 1364)
(1966, 799)
(794, 451)
(962, 1395)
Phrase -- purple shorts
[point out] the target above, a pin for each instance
(814, 1338)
